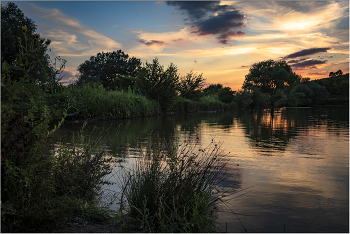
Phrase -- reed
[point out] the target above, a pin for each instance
(171, 189)
(95, 101)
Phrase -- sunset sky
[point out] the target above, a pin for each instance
(219, 39)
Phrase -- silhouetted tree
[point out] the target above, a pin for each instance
(108, 66)
(244, 98)
(337, 73)
(212, 89)
(158, 84)
(18, 33)
(270, 76)
(226, 95)
(190, 86)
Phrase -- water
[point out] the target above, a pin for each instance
(288, 170)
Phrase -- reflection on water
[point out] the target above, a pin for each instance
(288, 171)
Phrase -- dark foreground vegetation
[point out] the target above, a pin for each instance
(44, 187)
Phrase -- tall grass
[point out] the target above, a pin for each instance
(207, 103)
(172, 189)
(95, 101)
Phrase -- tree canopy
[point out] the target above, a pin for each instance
(107, 66)
(191, 86)
(158, 84)
(270, 76)
(12, 20)
(23, 49)
(337, 73)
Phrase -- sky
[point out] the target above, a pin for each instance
(219, 39)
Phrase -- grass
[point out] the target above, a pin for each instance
(95, 101)
(171, 189)
(206, 103)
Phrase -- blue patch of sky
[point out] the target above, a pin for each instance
(112, 19)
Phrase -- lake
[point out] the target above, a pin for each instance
(288, 168)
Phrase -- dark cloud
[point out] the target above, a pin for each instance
(197, 9)
(297, 61)
(210, 18)
(177, 40)
(307, 64)
(307, 52)
(225, 37)
(195, 61)
(152, 42)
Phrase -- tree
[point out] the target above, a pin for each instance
(319, 92)
(12, 20)
(212, 89)
(158, 84)
(337, 73)
(190, 86)
(226, 95)
(244, 98)
(270, 76)
(108, 66)
(18, 33)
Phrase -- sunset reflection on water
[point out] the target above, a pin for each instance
(288, 168)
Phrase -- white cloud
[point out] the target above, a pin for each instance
(71, 39)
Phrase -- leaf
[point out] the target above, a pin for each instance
(5, 67)
(16, 68)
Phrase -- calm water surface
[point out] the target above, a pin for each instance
(288, 170)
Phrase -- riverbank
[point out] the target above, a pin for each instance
(96, 103)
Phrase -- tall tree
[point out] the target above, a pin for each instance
(158, 84)
(18, 33)
(12, 20)
(107, 66)
(191, 86)
(270, 76)
(212, 89)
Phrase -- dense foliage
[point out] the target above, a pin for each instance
(191, 86)
(105, 67)
(158, 84)
(26, 51)
(270, 76)
(35, 196)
